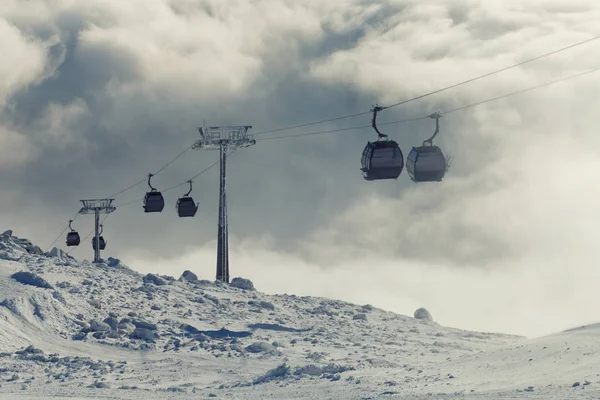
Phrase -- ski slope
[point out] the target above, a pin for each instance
(106, 331)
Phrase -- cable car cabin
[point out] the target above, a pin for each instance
(73, 239)
(426, 164)
(102, 243)
(186, 207)
(382, 160)
(153, 202)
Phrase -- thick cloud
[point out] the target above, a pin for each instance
(96, 94)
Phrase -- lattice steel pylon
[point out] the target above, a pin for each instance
(97, 207)
(223, 138)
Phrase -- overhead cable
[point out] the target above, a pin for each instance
(438, 90)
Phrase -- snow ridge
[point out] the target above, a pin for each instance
(71, 328)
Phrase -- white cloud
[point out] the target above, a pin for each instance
(61, 124)
(15, 149)
(505, 243)
(435, 44)
(199, 50)
(23, 61)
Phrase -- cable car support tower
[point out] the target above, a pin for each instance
(223, 138)
(97, 207)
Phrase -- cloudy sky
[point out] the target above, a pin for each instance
(94, 95)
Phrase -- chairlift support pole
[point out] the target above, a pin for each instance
(97, 237)
(223, 229)
(97, 207)
(223, 138)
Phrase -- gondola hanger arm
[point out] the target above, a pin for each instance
(436, 116)
(189, 191)
(149, 184)
(375, 110)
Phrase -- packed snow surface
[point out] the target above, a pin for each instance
(77, 330)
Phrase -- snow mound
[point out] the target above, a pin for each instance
(188, 276)
(241, 283)
(29, 278)
(422, 313)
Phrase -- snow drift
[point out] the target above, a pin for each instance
(71, 328)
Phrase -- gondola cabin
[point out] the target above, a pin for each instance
(186, 207)
(153, 202)
(102, 243)
(73, 239)
(382, 160)
(426, 164)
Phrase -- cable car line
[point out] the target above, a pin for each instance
(199, 173)
(166, 190)
(438, 90)
(62, 233)
(156, 173)
(173, 160)
(442, 113)
(377, 108)
(140, 199)
(387, 107)
(380, 124)
(123, 191)
(495, 72)
(312, 123)
(381, 108)
(55, 240)
(175, 186)
(341, 129)
(127, 188)
(523, 90)
(89, 234)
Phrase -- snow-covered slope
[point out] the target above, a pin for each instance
(107, 331)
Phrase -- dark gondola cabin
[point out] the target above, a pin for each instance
(73, 239)
(102, 243)
(153, 201)
(382, 160)
(186, 207)
(426, 164)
